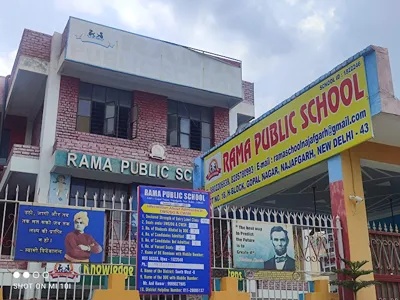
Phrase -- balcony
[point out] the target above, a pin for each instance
(105, 55)
(21, 169)
(29, 74)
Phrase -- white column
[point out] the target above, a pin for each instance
(233, 120)
(28, 132)
(246, 109)
(49, 119)
(47, 139)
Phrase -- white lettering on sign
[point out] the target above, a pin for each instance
(142, 169)
(89, 162)
(107, 165)
(133, 167)
(71, 159)
(188, 175)
(183, 174)
(164, 172)
(84, 162)
(124, 165)
(95, 163)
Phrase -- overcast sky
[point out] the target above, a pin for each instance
(283, 44)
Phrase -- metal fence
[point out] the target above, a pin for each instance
(384, 243)
(315, 238)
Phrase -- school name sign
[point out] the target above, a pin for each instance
(122, 166)
(330, 117)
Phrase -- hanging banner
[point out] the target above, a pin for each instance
(330, 117)
(173, 241)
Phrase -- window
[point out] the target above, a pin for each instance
(189, 126)
(104, 111)
(117, 220)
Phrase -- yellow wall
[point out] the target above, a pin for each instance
(356, 217)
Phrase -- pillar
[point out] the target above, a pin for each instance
(49, 119)
(47, 139)
(28, 132)
(345, 180)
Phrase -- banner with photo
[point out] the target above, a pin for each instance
(60, 234)
(263, 246)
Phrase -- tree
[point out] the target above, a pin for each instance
(351, 273)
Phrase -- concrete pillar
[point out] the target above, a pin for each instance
(50, 108)
(345, 180)
(28, 132)
(47, 139)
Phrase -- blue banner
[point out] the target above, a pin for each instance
(173, 241)
(57, 234)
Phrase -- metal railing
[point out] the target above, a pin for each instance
(384, 243)
(315, 239)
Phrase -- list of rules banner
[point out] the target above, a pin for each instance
(173, 241)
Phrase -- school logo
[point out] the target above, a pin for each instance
(64, 271)
(96, 38)
(213, 169)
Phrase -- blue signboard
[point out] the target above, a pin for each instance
(173, 241)
(57, 234)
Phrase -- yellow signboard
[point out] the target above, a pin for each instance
(174, 210)
(325, 120)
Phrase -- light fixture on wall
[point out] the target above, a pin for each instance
(356, 199)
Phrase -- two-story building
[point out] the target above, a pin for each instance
(97, 111)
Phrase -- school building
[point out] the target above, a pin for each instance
(91, 112)
(99, 110)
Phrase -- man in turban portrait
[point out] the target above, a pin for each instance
(79, 245)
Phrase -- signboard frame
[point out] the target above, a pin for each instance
(49, 222)
(206, 251)
(328, 117)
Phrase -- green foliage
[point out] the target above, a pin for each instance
(351, 273)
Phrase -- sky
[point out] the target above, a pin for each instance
(284, 44)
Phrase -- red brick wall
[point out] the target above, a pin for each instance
(17, 127)
(33, 44)
(152, 128)
(25, 150)
(37, 128)
(248, 92)
(221, 124)
(152, 124)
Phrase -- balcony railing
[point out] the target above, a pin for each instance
(24, 151)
